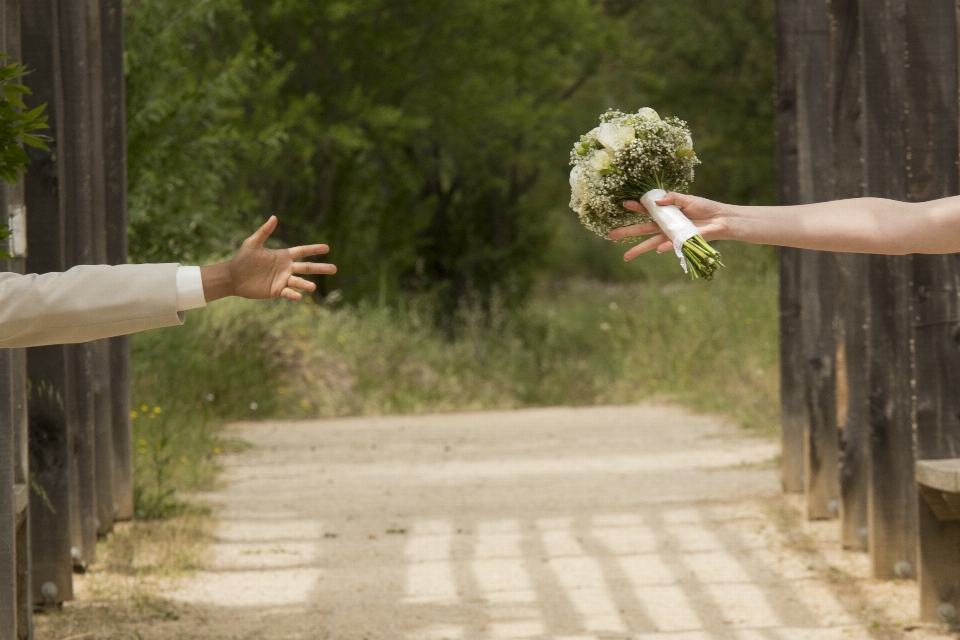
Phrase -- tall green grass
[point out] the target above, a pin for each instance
(710, 346)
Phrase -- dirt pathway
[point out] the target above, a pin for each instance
(609, 523)
(569, 524)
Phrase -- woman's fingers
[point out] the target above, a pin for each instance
(646, 245)
(641, 229)
(314, 268)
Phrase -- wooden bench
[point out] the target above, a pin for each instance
(938, 482)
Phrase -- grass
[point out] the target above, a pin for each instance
(710, 346)
(653, 335)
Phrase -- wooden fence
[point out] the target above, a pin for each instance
(867, 105)
(65, 420)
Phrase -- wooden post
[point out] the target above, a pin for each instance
(933, 151)
(851, 311)
(100, 350)
(74, 150)
(853, 395)
(939, 558)
(16, 611)
(818, 277)
(50, 437)
(115, 207)
(818, 282)
(938, 483)
(892, 499)
(793, 406)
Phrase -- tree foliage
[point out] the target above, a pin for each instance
(425, 140)
(196, 77)
(18, 125)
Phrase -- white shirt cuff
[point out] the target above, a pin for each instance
(189, 289)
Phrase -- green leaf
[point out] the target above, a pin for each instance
(37, 142)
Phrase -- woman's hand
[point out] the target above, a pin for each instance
(256, 272)
(709, 217)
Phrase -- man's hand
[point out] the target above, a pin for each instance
(257, 273)
(709, 216)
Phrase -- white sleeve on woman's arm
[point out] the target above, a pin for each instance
(189, 289)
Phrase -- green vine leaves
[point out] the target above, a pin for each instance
(18, 126)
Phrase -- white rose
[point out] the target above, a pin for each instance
(600, 161)
(615, 136)
(648, 114)
(575, 177)
(686, 149)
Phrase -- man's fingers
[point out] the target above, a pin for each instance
(298, 253)
(314, 268)
(290, 294)
(640, 229)
(260, 235)
(295, 282)
(646, 245)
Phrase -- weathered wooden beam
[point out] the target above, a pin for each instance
(793, 406)
(853, 400)
(50, 438)
(892, 500)
(849, 323)
(938, 482)
(818, 271)
(100, 371)
(819, 284)
(16, 609)
(8, 513)
(75, 153)
(115, 208)
(932, 142)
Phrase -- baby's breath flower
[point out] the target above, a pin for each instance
(623, 158)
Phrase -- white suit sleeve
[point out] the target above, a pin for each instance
(189, 289)
(88, 302)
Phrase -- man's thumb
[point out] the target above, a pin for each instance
(260, 235)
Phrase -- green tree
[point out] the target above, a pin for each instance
(18, 126)
(712, 64)
(425, 127)
(425, 140)
(197, 86)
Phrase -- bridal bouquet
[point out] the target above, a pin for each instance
(639, 156)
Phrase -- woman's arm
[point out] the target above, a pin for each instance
(861, 225)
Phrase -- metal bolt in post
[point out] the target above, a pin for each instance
(49, 591)
(903, 569)
(947, 612)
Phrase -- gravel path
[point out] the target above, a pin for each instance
(641, 522)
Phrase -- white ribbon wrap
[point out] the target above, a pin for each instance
(674, 224)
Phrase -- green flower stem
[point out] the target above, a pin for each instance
(702, 259)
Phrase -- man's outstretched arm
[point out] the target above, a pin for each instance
(90, 302)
